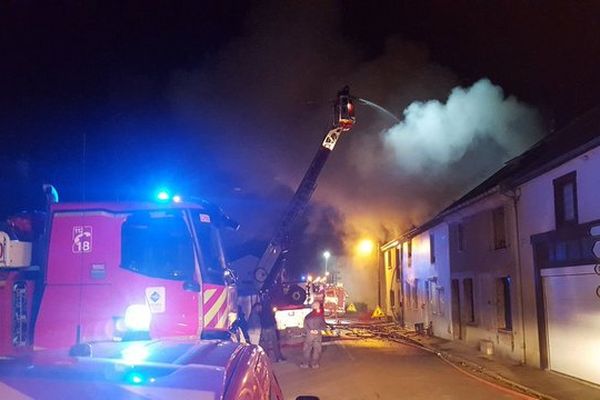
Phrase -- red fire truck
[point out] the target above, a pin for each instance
(106, 271)
(335, 300)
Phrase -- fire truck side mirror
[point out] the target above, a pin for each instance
(230, 276)
(81, 350)
(190, 286)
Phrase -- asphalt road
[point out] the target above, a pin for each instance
(375, 369)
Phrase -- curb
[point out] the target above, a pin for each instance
(478, 368)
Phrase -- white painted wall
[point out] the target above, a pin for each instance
(536, 215)
(419, 269)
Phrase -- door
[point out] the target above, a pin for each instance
(456, 308)
(572, 308)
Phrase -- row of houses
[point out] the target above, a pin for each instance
(509, 267)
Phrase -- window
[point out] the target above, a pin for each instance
(401, 251)
(469, 301)
(504, 310)
(566, 247)
(409, 252)
(398, 264)
(431, 248)
(440, 300)
(460, 233)
(415, 293)
(565, 200)
(157, 244)
(499, 228)
(211, 265)
(390, 257)
(433, 297)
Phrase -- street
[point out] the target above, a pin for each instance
(376, 369)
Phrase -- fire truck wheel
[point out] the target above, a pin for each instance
(296, 295)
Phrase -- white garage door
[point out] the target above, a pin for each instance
(573, 320)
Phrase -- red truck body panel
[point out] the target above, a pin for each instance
(89, 290)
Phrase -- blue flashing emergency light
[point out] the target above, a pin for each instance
(177, 199)
(135, 378)
(163, 195)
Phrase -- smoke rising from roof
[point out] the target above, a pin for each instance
(434, 135)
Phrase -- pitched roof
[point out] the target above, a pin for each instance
(577, 137)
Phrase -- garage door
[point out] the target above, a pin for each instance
(573, 320)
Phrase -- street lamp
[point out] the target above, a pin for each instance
(365, 247)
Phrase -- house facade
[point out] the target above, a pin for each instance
(485, 279)
(417, 280)
(561, 294)
(512, 260)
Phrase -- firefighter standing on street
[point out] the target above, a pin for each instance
(269, 340)
(314, 325)
(254, 325)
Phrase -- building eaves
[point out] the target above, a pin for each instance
(578, 137)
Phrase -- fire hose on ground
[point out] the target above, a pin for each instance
(387, 332)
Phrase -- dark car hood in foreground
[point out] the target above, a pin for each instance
(172, 370)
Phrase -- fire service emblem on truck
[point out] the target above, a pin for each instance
(82, 239)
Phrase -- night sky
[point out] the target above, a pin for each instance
(229, 100)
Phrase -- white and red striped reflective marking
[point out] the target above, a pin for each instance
(215, 307)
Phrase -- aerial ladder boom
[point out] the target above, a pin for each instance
(343, 121)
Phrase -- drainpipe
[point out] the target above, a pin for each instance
(515, 194)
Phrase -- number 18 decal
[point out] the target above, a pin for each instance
(82, 239)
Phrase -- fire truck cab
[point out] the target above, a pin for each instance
(107, 271)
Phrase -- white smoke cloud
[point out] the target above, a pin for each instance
(435, 135)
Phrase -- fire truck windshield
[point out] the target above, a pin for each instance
(158, 245)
